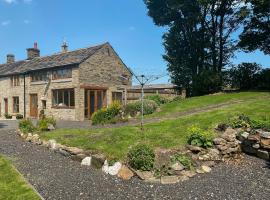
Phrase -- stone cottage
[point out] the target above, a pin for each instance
(70, 85)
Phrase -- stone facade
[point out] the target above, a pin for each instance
(104, 69)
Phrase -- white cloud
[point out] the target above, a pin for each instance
(5, 23)
(10, 1)
(26, 21)
(132, 28)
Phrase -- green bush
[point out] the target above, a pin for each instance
(177, 98)
(8, 116)
(26, 126)
(107, 115)
(19, 116)
(184, 160)
(241, 121)
(45, 122)
(199, 137)
(141, 157)
(149, 106)
(158, 99)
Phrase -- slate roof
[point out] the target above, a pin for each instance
(52, 61)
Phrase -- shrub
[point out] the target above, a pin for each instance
(106, 115)
(177, 98)
(241, 121)
(141, 157)
(199, 137)
(26, 126)
(19, 116)
(184, 160)
(149, 107)
(158, 99)
(8, 116)
(45, 122)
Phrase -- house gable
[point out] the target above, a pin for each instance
(105, 68)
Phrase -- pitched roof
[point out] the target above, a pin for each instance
(55, 60)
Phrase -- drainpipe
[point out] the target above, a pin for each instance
(24, 97)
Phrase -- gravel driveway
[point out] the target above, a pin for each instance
(57, 177)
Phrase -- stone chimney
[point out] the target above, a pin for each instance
(10, 58)
(33, 52)
(64, 47)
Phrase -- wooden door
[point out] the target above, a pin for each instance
(6, 106)
(33, 105)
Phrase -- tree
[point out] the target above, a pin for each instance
(198, 38)
(256, 33)
(245, 76)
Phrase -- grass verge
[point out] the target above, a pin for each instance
(12, 184)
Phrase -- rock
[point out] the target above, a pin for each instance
(209, 163)
(231, 150)
(162, 158)
(98, 161)
(254, 138)
(256, 146)
(64, 153)
(221, 127)
(265, 135)
(219, 141)
(200, 171)
(78, 157)
(86, 161)
(263, 154)
(222, 147)
(212, 155)
(206, 169)
(105, 167)
(51, 127)
(243, 136)
(229, 135)
(73, 150)
(125, 173)
(265, 143)
(145, 175)
(194, 149)
(153, 180)
(53, 145)
(177, 166)
(114, 170)
(169, 179)
(189, 174)
(249, 150)
(183, 178)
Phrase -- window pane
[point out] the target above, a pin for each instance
(72, 98)
(66, 98)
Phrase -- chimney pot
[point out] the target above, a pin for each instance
(10, 58)
(33, 52)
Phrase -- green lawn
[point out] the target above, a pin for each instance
(167, 134)
(12, 185)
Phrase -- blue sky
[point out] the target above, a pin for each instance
(123, 23)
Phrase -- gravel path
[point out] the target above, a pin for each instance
(57, 177)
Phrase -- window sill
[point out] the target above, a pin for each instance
(39, 83)
(62, 80)
(63, 107)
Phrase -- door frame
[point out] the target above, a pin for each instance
(30, 108)
(87, 93)
(6, 105)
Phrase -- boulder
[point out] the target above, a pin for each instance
(64, 153)
(219, 141)
(265, 135)
(162, 158)
(229, 135)
(249, 150)
(125, 173)
(200, 171)
(86, 161)
(153, 180)
(51, 127)
(183, 178)
(222, 147)
(177, 167)
(194, 149)
(189, 174)
(206, 169)
(78, 157)
(243, 136)
(169, 179)
(254, 138)
(114, 170)
(98, 161)
(73, 150)
(53, 145)
(265, 143)
(145, 175)
(263, 154)
(256, 146)
(221, 127)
